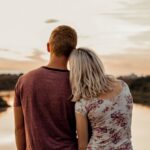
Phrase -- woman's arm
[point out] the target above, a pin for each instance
(19, 128)
(82, 131)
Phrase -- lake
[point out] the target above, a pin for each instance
(140, 126)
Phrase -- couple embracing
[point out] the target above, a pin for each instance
(77, 109)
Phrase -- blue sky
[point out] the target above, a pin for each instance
(118, 30)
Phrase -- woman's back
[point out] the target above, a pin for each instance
(110, 120)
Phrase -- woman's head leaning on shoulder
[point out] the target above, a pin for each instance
(87, 76)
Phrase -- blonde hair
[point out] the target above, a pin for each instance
(87, 76)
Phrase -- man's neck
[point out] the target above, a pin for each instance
(58, 63)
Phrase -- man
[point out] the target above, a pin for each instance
(44, 114)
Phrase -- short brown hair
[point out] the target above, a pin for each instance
(63, 40)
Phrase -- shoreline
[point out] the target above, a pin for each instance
(139, 98)
(3, 104)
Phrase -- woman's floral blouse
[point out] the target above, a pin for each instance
(110, 120)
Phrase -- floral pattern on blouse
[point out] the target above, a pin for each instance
(110, 120)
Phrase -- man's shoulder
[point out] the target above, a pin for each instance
(31, 74)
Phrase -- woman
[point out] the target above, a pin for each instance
(103, 101)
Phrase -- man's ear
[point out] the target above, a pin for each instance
(48, 47)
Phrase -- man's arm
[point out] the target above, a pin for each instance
(19, 128)
(82, 131)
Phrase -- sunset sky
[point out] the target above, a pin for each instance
(118, 30)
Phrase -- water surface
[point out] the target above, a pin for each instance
(140, 127)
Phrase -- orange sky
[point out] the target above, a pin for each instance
(114, 64)
(119, 31)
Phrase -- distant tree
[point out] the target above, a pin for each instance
(3, 103)
(8, 81)
(141, 84)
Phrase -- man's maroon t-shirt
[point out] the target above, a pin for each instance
(44, 95)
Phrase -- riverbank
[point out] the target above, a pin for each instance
(140, 89)
(141, 98)
(3, 105)
(139, 86)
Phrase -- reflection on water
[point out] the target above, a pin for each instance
(140, 127)
(3, 109)
(7, 137)
(7, 130)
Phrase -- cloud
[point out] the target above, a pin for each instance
(142, 38)
(11, 65)
(124, 64)
(51, 21)
(137, 50)
(36, 55)
(32, 61)
(136, 12)
(141, 43)
(84, 36)
(4, 49)
(117, 64)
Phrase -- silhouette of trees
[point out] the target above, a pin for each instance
(140, 89)
(139, 86)
(8, 81)
(3, 103)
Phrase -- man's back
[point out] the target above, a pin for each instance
(44, 95)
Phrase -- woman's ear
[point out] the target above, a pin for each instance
(48, 47)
